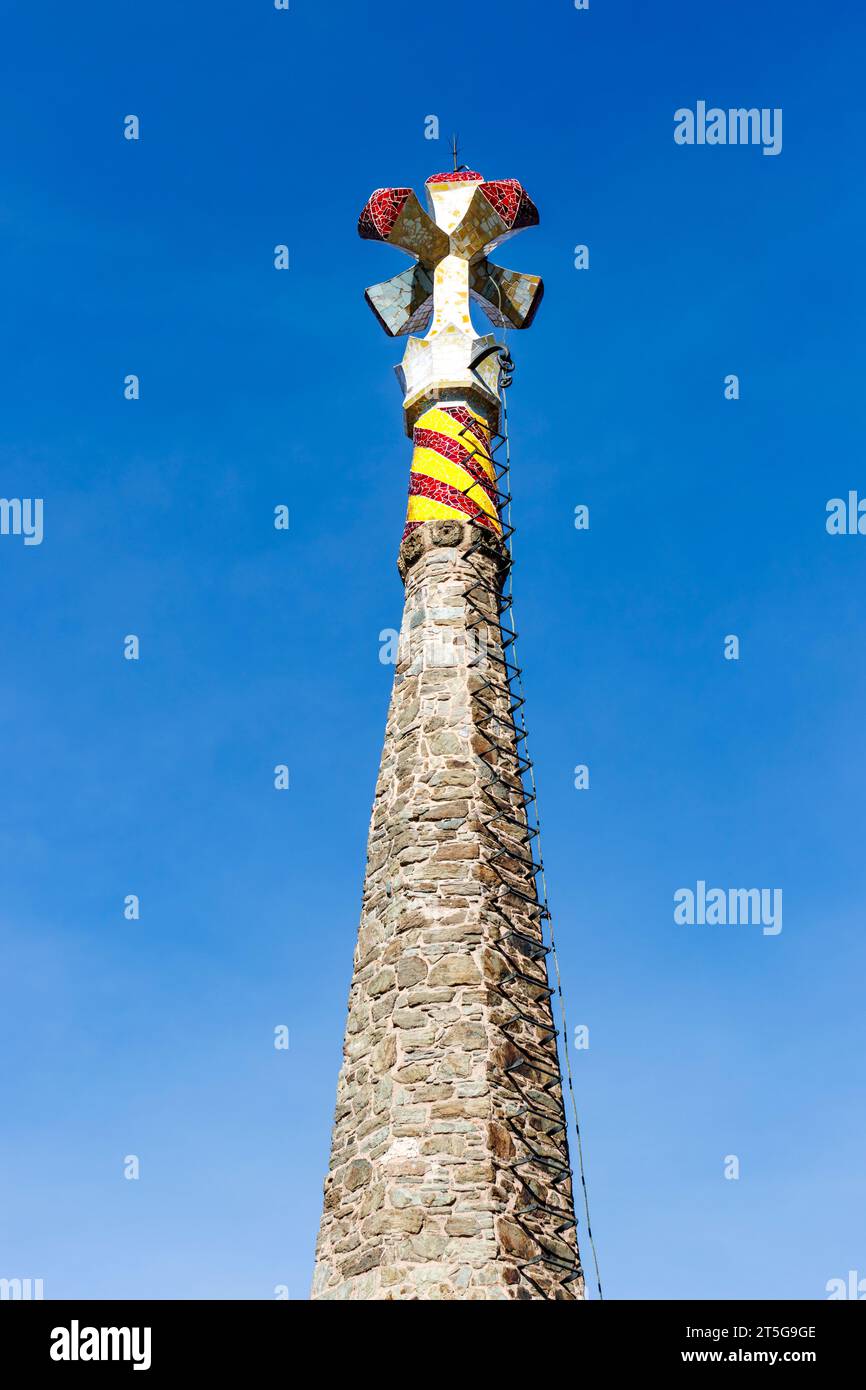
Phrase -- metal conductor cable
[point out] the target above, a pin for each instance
(506, 367)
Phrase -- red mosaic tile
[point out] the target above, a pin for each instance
(455, 453)
(461, 414)
(512, 202)
(457, 176)
(422, 486)
(381, 212)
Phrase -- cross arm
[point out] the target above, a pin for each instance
(509, 297)
(496, 212)
(395, 216)
(404, 303)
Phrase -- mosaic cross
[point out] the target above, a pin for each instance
(470, 217)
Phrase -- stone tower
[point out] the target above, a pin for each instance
(449, 1175)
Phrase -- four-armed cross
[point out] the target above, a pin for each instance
(470, 217)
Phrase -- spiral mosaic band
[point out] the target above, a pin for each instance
(452, 476)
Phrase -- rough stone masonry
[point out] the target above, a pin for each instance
(449, 1175)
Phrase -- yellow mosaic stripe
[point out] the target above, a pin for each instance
(434, 465)
(426, 509)
(438, 420)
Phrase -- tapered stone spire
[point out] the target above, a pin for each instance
(449, 1175)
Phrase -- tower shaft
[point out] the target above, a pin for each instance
(449, 1171)
(449, 1175)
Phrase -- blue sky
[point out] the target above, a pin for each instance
(154, 1037)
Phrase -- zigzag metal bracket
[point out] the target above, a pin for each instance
(531, 1063)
